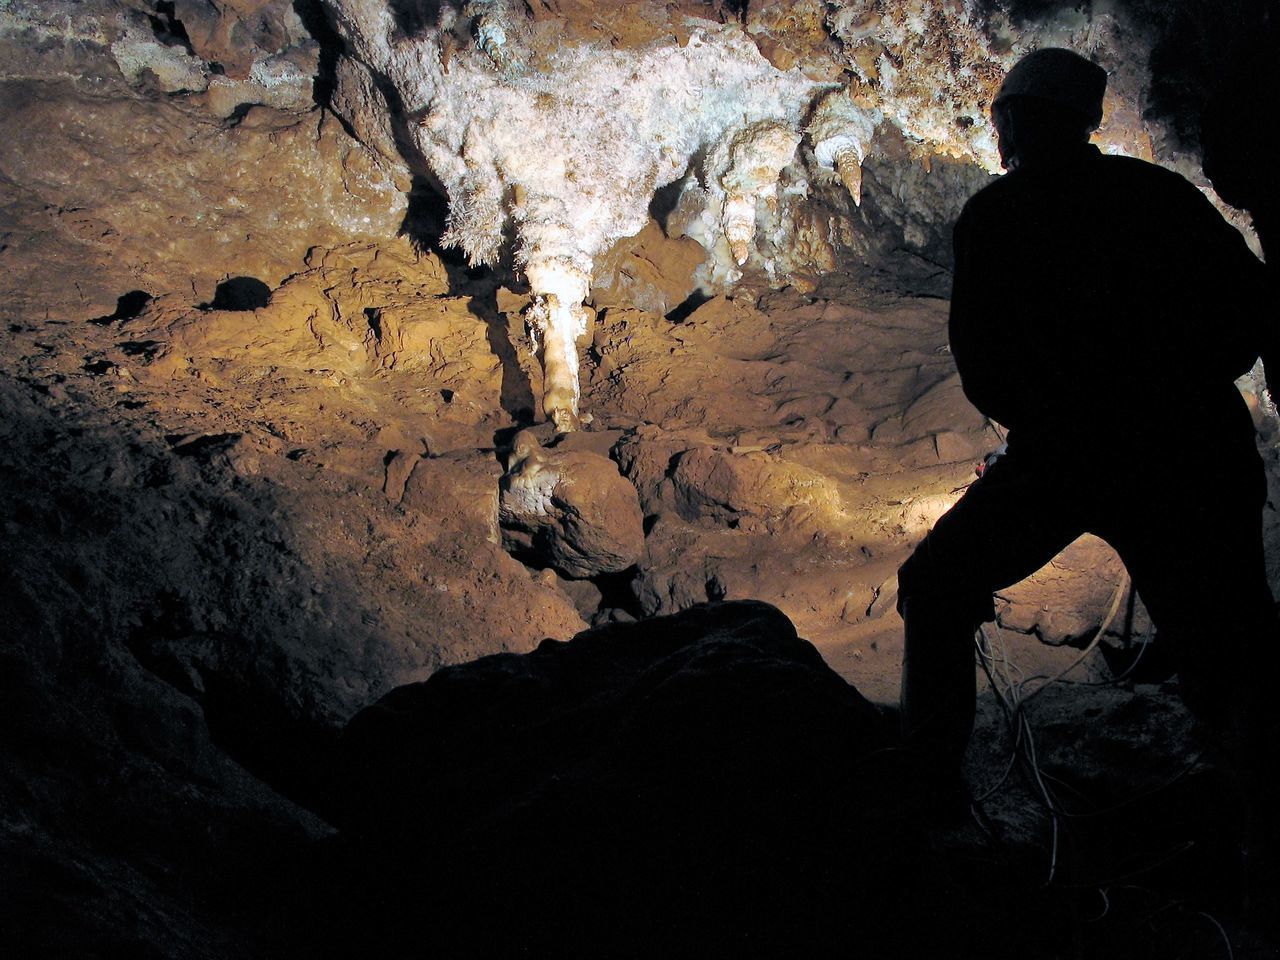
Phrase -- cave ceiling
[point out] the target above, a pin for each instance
(551, 126)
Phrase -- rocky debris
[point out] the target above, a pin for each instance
(570, 508)
(732, 488)
(744, 489)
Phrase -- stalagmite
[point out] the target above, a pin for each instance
(756, 157)
(558, 319)
(841, 132)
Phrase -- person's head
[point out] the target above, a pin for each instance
(1050, 102)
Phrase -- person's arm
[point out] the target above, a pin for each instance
(976, 341)
(1233, 312)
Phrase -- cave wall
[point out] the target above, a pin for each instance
(167, 147)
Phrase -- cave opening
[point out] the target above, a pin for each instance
(240, 294)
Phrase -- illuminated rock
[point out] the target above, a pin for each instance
(565, 143)
(232, 522)
(926, 66)
(841, 132)
(149, 162)
(551, 129)
(572, 508)
(756, 157)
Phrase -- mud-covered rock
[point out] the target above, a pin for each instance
(459, 492)
(572, 507)
(649, 786)
(728, 487)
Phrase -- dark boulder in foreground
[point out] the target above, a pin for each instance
(701, 784)
(660, 786)
(721, 697)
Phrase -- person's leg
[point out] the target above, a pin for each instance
(1007, 525)
(1197, 562)
(1198, 565)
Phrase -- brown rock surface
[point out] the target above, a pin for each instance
(571, 508)
(212, 486)
(133, 178)
(458, 492)
(649, 271)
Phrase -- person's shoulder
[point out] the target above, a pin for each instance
(1134, 173)
(1118, 164)
(990, 210)
(991, 196)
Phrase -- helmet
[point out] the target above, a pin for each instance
(1059, 76)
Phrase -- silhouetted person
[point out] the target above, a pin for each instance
(1102, 309)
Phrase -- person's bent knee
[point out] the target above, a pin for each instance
(926, 590)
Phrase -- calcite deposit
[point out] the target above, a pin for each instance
(841, 130)
(556, 137)
(566, 144)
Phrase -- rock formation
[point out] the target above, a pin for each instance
(622, 104)
(697, 784)
(156, 158)
(572, 507)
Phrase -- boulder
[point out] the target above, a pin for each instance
(704, 785)
(661, 785)
(459, 491)
(571, 508)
